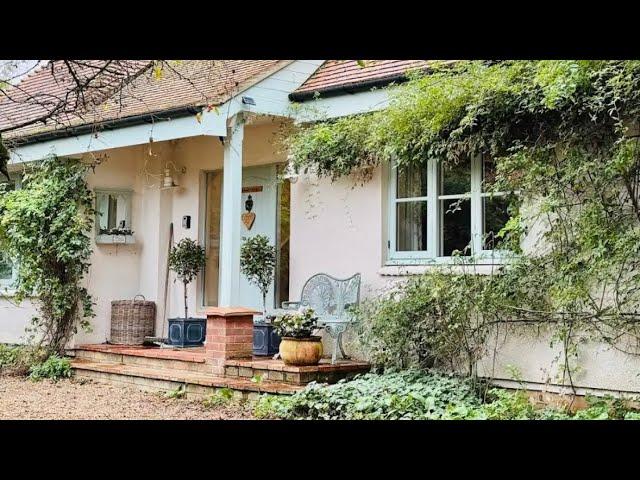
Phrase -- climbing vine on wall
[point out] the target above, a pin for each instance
(44, 228)
(562, 133)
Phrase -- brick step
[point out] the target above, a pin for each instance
(165, 379)
(276, 370)
(144, 358)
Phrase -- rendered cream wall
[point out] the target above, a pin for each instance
(339, 229)
(120, 272)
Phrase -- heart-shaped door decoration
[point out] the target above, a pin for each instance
(248, 218)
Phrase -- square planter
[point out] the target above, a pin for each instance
(187, 333)
(266, 342)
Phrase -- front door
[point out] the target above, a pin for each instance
(261, 184)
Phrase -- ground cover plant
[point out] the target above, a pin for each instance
(420, 395)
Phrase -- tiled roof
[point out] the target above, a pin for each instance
(345, 74)
(187, 83)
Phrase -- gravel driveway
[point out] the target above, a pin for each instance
(74, 400)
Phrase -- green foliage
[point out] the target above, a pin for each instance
(177, 393)
(296, 324)
(404, 395)
(53, 368)
(564, 134)
(18, 359)
(221, 397)
(186, 259)
(258, 262)
(443, 318)
(8, 355)
(44, 229)
(422, 395)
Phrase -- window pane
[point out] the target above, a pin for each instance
(6, 268)
(495, 215)
(411, 226)
(456, 227)
(113, 211)
(412, 182)
(455, 179)
(488, 173)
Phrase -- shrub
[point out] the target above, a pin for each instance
(404, 395)
(54, 368)
(18, 359)
(44, 229)
(428, 322)
(420, 395)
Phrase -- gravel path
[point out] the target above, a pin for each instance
(85, 400)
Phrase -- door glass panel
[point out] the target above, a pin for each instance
(456, 227)
(282, 275)
(411, 226)
(412, 182)
(455, 179)
(212, 239)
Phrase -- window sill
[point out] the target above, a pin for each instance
(406, 269)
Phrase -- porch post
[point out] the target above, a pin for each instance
(230, 219)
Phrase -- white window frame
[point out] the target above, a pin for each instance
(102, 238)
(7, 284)
(434, 220)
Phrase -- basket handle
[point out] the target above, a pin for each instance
(139, 295)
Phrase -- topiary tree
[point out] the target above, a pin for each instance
(186, 259)
(257, 263)
(44, 229)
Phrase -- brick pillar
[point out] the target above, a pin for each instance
(229, 335)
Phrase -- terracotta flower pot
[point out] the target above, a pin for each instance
(301, 351)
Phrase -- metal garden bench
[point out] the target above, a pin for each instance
(330, 298)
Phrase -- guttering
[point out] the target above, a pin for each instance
(348, 89)
(89, 128)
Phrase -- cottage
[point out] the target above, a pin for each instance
(193, 153)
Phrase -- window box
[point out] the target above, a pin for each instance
(115, 239)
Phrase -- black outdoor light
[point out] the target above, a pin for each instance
(248, 101)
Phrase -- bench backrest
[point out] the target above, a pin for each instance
(330, 296)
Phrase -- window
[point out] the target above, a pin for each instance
(113, 216)
(438, 211)
(7, 268)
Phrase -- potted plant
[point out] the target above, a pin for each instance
(299, 346)
(257, 263)
(186, 259)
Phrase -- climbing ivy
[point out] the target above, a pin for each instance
(44, 228)
(564, 134)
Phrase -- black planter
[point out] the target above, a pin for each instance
(187, 333)
(265, 340)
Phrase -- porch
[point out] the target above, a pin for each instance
(153, 368)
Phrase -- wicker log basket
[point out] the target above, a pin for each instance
(132, 321)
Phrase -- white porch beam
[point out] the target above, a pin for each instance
(229, 275)
(212, 124)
